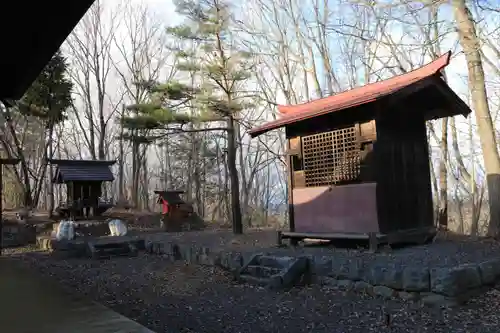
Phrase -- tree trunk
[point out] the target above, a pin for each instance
(476, 204)
(244, 199)
(198, 172)
(233, 175)
(101, 147)
(50, 153)
(135, 173)
(27, 199)
(101, 151)
(190, 167)
(145, 182)
(443, 177)
(471, 46)
(121, 162)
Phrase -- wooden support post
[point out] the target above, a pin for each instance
(372, 238)
(290, 185)
(7, 161)
(279, 238)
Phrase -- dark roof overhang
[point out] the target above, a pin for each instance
(82, 170)
(30, 33)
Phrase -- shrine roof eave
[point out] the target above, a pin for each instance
(30, 37)
(430, 74)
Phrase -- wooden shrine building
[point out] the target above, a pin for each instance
(178, 215)
(83, 180)
(170, 201)
(358, 161)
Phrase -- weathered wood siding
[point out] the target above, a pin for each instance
(404, 196)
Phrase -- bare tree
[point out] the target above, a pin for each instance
(471, 46)
(143, 57)
(89, 49)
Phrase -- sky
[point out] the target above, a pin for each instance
(164, 10)
(457, 70)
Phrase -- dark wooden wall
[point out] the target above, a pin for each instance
(401, 153)
(331, 121)
(361, 117)
(85, 190)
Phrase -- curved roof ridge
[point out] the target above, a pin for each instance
(355, 97)
(427, 70)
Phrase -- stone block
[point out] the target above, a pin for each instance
(247, 256)
(231, 260)
(389, 276)
(408, 296)
(44, 243)
(217, 258)
(18, 235)
(438, 300)
(327, 281)
(205, 257)
(348, 269)
(236, 261)
(345, 284)
(149, 246)
(384, 292)
(416, 279)
(171, 250)
(196, 255)
(189, 254)
(363, 286)
(275, 282)
(295, 272)
(159, 248)
(224, 260)
(490, 271)
(321, 265)
(455, 280)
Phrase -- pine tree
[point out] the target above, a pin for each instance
(149, 120)
(222, 71)
(48, 99)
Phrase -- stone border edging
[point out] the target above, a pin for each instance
(438, 286)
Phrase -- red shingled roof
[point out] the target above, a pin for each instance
(355, 97)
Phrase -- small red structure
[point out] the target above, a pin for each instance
(170, 200)
(176, 211)
(164, 205)
(359, 161)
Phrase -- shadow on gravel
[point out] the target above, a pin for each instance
(175, 297)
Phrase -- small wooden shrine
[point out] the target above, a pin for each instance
(358, 161)
(83, 180)
(177, 214)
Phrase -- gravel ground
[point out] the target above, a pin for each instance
(169, 297)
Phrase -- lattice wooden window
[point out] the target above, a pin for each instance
(331, 157)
